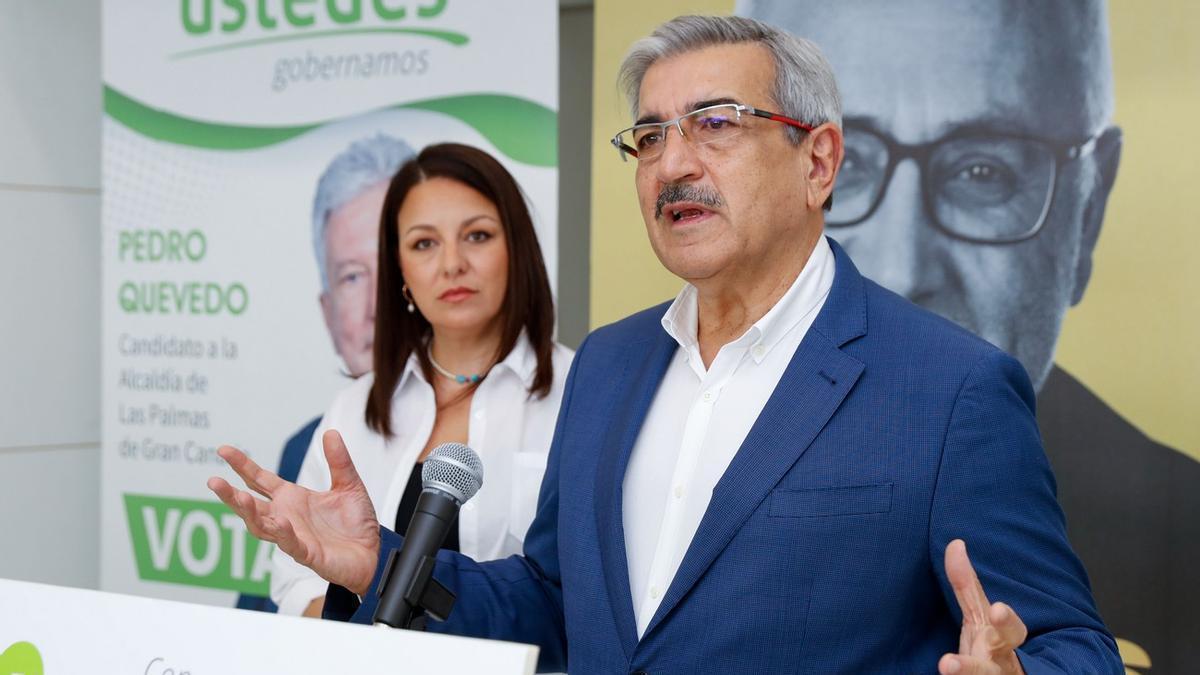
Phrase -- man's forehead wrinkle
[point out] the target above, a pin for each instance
(702, 101)
(1027, 93)
(710, 101)
(1003, 119)
(651, 118)
(735, 72)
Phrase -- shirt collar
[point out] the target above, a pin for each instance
(680, 321)
(807, 292)
(412, 368)
(521, 361)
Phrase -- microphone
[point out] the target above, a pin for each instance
(452, 474)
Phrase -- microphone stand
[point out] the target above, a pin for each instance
(409, 592)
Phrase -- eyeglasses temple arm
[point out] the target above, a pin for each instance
(779, 118)
(623, 149)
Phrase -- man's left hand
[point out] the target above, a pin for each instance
(991, 632)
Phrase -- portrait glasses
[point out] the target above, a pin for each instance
(982, 187)
(714, 126)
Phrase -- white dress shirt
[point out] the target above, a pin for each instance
(697, 422)
(510, 432)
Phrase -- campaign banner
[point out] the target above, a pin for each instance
(235, 302)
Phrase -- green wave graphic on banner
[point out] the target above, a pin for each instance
(525, 131)
(451, 37)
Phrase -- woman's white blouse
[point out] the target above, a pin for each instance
(510, 431)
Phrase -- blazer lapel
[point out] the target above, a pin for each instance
(813, 386)
(645, 365)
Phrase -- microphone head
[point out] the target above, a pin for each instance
(454, 469)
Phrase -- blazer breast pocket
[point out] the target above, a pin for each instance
(830, 501)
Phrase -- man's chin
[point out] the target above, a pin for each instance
(357, 367)
(691, 270)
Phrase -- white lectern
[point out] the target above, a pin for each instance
(52, 630)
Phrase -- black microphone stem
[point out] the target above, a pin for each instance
(409, 570)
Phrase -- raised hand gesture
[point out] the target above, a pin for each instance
(334, 533)
(991, 632)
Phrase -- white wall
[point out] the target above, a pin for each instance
(49, 280)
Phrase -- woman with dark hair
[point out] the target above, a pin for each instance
(464, 351)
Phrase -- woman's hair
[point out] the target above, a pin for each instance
(528, 305)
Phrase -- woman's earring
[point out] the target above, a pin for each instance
(408, 296)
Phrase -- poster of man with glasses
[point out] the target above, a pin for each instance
(980, 154)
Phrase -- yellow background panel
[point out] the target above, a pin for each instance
(1135, 336)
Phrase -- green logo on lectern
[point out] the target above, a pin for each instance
(22, 658)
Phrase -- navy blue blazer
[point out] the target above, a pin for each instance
(891, 433)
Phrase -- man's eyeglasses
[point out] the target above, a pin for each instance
(714, 126)
(989, 188)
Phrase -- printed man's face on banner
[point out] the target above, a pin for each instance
(977, 156)
(351, 260)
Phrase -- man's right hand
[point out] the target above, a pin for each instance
(334, 533)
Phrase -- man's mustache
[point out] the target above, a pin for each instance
(682, 192)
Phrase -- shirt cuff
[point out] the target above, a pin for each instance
(301, 594)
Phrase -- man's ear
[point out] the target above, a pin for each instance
(1107, 157)
(825, 159)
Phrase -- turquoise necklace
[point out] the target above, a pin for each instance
(461, 379)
